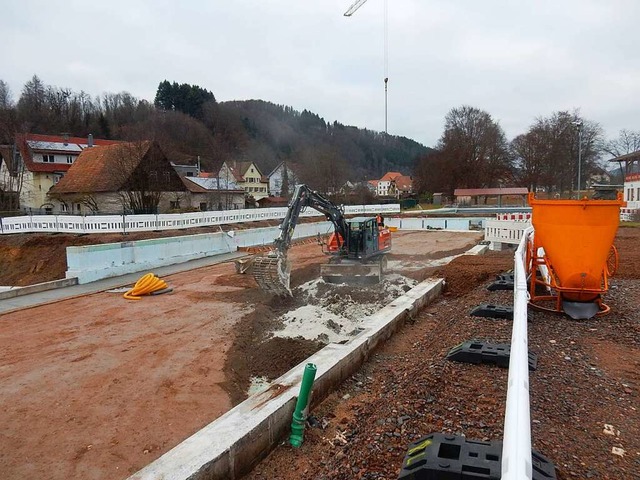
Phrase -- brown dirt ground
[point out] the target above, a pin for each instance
(587, 376)
(96, 387)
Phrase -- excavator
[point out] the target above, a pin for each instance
(356, 248)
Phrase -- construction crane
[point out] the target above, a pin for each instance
(351, 10)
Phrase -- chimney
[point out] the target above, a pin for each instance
(66, 139)
(90, 141)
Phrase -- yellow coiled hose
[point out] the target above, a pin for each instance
(147, 284)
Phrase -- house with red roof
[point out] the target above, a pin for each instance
(41, 161)
(393, 184)
(132, 177)
(248, 176)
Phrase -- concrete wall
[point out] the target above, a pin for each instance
(93, 262)
(435, 223)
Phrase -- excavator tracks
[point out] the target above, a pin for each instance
(272, 272)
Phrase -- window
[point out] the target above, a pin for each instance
(252, 170)
(203, 206)
(174, 205)
(69, 158)
(167, 177)
(47, 158)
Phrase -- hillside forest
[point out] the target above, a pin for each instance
(190, 125)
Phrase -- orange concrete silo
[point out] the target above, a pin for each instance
(573, 250)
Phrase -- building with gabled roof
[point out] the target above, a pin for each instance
(214, 193)
(394, 184)
(248, 176)
(283, 180)
(42, 160)
(631, 172)
(132, 177)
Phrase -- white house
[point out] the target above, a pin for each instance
(282, 176)
(214, 193)
(42, 160)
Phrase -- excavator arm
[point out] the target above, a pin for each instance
(272, 271)
(305, 197)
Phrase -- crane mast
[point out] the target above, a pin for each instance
(352, 9)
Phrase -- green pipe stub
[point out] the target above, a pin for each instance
(302, 405)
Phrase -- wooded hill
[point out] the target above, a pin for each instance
(189, 123)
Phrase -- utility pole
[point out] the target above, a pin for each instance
(578, 124)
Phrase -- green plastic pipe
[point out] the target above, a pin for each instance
(302, 405)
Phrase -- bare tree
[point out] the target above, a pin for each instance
(547, 155)
(324, 169)
(8, 124)
(472, 152)
(12, 174)
(627, 142)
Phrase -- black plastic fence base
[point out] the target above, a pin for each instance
(500, 285)
(504, 281)
(492, 311)
(481, 351)
(450, 457)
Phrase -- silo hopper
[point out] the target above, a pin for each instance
(572, 254)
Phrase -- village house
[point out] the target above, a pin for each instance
(131, 177)
(248, 176)
(282, 180)
(393, 184)
(213, 193)
(37, 162)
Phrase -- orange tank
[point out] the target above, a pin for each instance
(577, 238)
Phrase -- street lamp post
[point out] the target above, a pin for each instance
(578, 125)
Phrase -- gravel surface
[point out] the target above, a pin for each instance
(587, 377)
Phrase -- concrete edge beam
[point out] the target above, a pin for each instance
(38, 287)
(478, 250)
(235, 442)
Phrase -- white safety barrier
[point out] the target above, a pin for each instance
(504, 231)
(516, 445)
(145, 223)
(628, 214)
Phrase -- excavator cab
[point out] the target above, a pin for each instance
(362, 238)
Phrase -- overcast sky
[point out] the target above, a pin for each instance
(516, 59)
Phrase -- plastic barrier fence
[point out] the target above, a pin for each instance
(143, 223)
(516, 450)
(505, 231)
